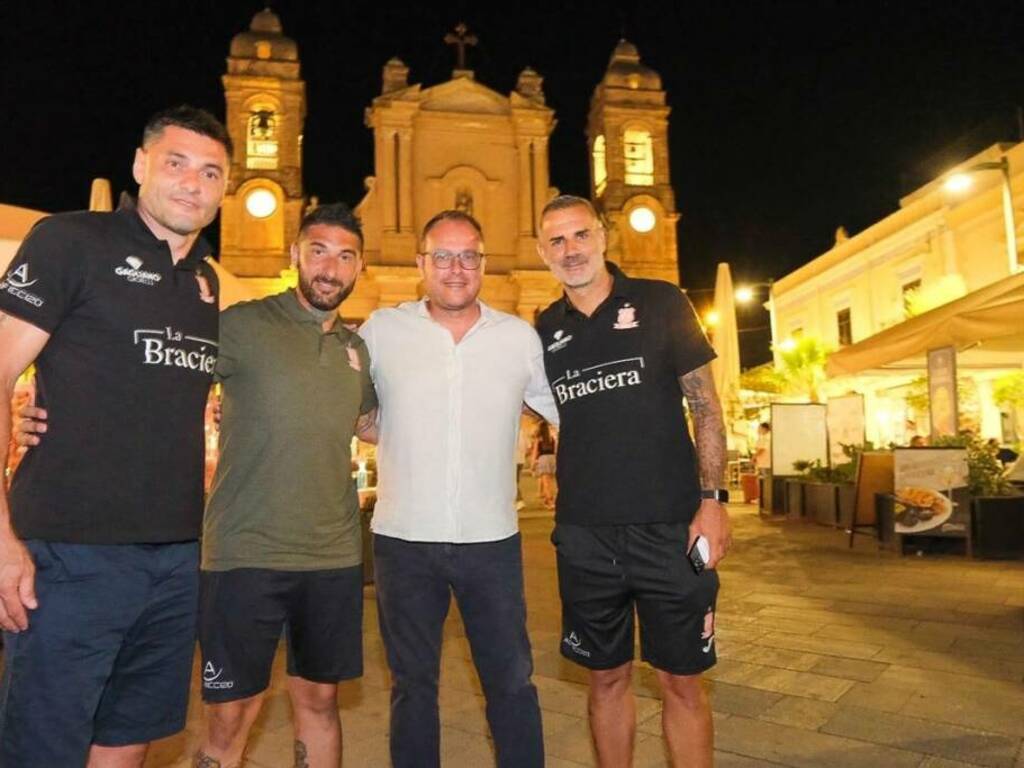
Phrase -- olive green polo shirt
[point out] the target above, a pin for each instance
(283, 497)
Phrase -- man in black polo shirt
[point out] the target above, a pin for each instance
(620, 354)
(99, 545)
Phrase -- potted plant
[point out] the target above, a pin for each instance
(997, 507)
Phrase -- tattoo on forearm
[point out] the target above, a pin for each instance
(709, 429)
(301, 755)
(203, 760)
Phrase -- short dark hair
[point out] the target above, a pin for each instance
(569, 201)
(450, 215)
(191, 119)
(765, 426)
(333, 215)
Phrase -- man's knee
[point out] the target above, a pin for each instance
(314, 699)
(610, 684)
(228, 719)
(685, 690)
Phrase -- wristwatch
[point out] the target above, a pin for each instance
(718, 494)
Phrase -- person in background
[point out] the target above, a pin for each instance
(542, 460)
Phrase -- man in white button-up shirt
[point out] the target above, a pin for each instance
(452, 375)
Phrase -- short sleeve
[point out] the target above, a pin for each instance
(230, 345)
(369, 394)
(45, 278)
(688, 347)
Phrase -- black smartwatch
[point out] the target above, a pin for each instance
(718, 494)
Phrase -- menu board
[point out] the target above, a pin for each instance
(931, 492)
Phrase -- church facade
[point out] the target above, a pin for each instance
(458, 144)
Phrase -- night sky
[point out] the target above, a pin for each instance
(788, 118)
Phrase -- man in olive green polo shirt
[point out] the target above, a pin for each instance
(282, 538)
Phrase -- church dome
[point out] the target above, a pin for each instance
(626, 71)
(264, 40)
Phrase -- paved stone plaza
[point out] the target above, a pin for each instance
(827, 658)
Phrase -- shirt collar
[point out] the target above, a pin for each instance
(289, 302)
(129, 214)
(487, 315)
(622, 288)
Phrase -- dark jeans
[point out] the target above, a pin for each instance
(415, 581)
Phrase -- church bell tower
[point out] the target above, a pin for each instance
(266, 109)
(627, 134)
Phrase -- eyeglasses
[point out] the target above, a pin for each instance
(466, 259)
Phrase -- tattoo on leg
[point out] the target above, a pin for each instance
(203, 760)
(301, 755)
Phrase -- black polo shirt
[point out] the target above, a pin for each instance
(624, 451)
(124, 376)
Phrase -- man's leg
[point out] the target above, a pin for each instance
(132, 756)
(488, 583)
(227, 731)
(612, 711)
(240, 621)
(62, 674)
(317, 725)
(413, 597)
(325, 646)
(686, 720)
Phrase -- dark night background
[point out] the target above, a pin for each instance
(788, 118)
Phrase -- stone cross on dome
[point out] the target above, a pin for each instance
(460, 39)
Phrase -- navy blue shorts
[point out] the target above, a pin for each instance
(107, 656)
(607, 573)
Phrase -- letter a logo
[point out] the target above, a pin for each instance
(19, 277)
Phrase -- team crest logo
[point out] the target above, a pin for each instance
(353, 359)
(709, 630)
(205, 293)
(626, 318)
(560, 340)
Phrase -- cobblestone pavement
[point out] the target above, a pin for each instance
(827, 658)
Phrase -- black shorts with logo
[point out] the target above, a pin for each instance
(604, 571)
(243, 611)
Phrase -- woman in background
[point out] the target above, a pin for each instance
(544, 445)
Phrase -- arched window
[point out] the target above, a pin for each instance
(600, 166)
(639, 155)
(261, 138)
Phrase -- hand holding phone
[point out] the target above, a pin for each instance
(699, 554)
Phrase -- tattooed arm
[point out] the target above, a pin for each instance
(711, 520)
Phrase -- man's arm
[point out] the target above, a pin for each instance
(366, 427)
(711, 520)
(21, 343)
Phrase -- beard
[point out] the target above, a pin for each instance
(320, 301)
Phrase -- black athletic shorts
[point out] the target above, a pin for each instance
(604, 571)
(243, 611)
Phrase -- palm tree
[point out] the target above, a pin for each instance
(803, 365)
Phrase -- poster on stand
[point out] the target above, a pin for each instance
(799, 433)
(845, 425)
(942, 405)
(930, 492)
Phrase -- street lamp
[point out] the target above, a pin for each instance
(745, 294)
(961, 181)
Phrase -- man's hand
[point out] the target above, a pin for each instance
(17, 584)
(30, 425)
(712, 522)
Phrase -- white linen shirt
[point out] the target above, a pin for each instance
(448, 421)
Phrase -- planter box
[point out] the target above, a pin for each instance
(794, 499)
(847, 495)
(997, 524)
(822, 502)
